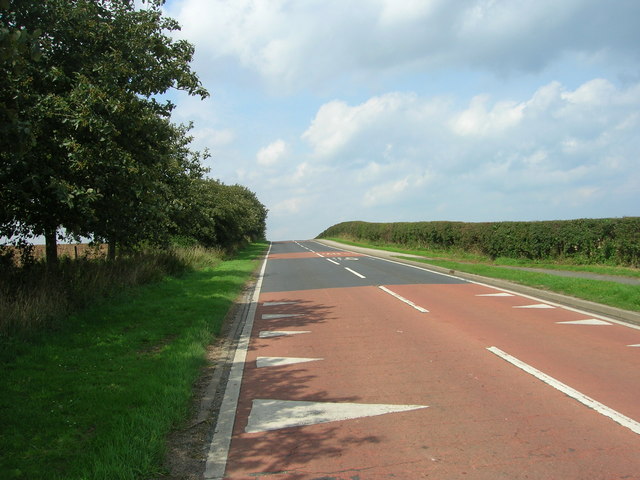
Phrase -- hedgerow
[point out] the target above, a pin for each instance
(605, 240)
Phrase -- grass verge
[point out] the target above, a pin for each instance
(96, 398)
(626, 297)
(614, 294)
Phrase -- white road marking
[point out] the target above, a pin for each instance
(276, 414)
(636, 345)
(355, 273)
(537, 305)
(623, 420)
(262, 362)
(524, 295)
(590, 321)
(273, 304)
(274, 316)
(307, 248)
(219, 449)
(402, 299)
(280, 333)
(501, 294)
(322, 256)
(332, 261)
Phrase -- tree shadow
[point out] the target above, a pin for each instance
(289, 452)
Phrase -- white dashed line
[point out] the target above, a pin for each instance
(332, 261)
(355, 273)
(623, 420)
(402, 299)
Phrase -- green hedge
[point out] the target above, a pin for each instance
(603, 240)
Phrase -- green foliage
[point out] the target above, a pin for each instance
(96, 398)
(608, 240)
(98, 155)
(223, 215)
(34, 297)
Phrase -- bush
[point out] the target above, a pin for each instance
(606, 240)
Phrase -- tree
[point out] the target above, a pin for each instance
(102, 147)
(223, 215)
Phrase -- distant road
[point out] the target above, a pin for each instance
(361, 368)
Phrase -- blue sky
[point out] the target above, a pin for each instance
(418, 110)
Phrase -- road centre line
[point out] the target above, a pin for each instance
(355, 273)
(402, 299)
(332, 261)
(616, 416)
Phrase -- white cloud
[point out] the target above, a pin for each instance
(420, 109)
(384, 193)
(337, 124)
(476, 120)
(531, 146)
(272, 153)
(212, 137)
(297, 44)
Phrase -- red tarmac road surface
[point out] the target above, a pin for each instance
(485, 418)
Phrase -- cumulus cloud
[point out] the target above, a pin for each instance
(272, 153)
(307, 43)
(542, 142)
(419, 109)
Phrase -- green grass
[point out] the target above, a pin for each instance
(96, 398)
(613, 294)
(468, 257)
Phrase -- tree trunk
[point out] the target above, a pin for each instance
(51, 246)
(111, 251)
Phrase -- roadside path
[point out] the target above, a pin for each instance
(574, 274)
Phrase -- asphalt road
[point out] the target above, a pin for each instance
(357, 368)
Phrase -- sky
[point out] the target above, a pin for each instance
(418, 110)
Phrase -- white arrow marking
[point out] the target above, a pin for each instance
(591, 321)
(537, 305)
(281, 361)
(274, 316)
(280, 333)
(273, 304)
(275, 414)
(503, 294)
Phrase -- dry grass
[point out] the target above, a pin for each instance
(34, 297)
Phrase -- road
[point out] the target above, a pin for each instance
(355, 368)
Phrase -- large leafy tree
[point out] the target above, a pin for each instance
(223, 215)
(104, 159)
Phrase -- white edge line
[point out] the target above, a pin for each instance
(219, 449)
(355, 273)
(402, 299)
(559, 305)
(567, 390)
(332, 261)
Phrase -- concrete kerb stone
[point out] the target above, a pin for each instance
(592, 307)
